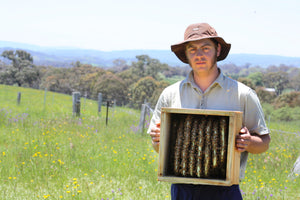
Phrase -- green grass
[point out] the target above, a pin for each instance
(268, 175)
(46, 153)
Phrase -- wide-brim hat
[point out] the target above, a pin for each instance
(196, 32)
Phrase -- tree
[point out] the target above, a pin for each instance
(161, 85)
(146, 66)
(256, 78)
(295, 81)
(154, 68)
(19, 58)
(272, 68)
(112, 87)
(139, 67)
(291, 99)
(143, 91)
(22, 71)
(177, 71)
(278, 80)
(2, 65)
(265, 96)
(230, 69)
(247, 82)
(57, 80)
(119, 65)
(129, 77)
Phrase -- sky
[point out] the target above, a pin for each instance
(269, 27)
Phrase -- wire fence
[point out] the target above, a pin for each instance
(145, 115)
(286, 132)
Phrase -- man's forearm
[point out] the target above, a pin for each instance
(259, 144)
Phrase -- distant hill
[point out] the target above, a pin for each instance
(64, 56)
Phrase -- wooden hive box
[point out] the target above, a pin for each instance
(198, 146)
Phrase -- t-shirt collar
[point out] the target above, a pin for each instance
(190, 79)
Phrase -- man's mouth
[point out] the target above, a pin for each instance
(200, 62)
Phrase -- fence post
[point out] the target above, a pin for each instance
(85, 96)
(45, 96)
(19, 98)
(142, 118)
(99, 102)
(76, 103)
(107, 105)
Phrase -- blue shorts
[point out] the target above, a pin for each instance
(207, 192)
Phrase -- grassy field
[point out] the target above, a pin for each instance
(46, 153)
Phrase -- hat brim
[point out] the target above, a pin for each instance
(179, 49)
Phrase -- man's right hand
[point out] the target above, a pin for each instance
(155, 136)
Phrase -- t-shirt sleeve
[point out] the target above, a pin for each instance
(253, 114)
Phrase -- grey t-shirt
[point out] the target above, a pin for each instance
(223, 94)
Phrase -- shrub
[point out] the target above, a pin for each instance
(291, 99)
(265, 96)
(286, 114)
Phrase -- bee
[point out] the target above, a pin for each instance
(178, 147)
(207, 148)
(223, 144)
(215, 147)
(193, 148)
(186, 144)
(200, 150)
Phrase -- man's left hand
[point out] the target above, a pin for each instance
(243, 140)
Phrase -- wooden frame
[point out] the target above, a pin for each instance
(167, 147)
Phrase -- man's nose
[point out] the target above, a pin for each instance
(199, 52)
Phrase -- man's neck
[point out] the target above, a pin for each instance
(205, 80)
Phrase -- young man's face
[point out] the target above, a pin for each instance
(202, 55)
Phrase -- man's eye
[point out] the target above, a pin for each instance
(192, 50)
(205, 49)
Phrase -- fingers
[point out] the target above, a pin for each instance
(158, 124)
(155, 130)
(241, 144)
(241, 147)
(243, 140)
(155, 136)
(155, 139)
(244, 130)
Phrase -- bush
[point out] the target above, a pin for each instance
(281, 114)
(268, 109)
(247, 82)
(286, 114)
(291, 99)
(265, 96)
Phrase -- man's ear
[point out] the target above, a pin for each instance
(218, 50)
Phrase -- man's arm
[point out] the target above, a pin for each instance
(252, 143)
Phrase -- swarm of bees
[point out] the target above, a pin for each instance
(198, 146)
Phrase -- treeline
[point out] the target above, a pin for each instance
(276, 85)
(143, 80)
(278, 88)
(129, 85)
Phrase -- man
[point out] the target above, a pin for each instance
(207, 88)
